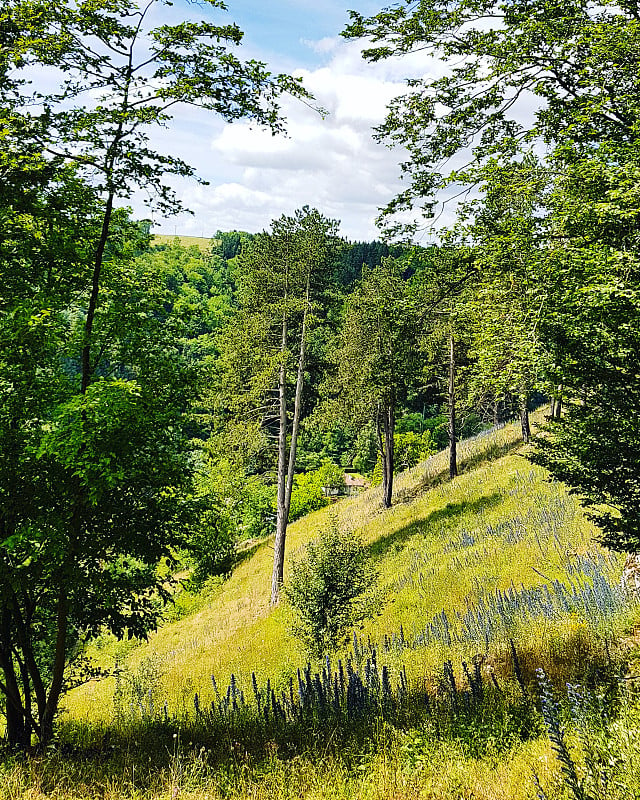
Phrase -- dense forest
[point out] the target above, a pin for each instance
(163, 407)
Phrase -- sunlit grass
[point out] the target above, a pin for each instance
(489, 541)
(500, 525)
(405, 768)
(201, 242)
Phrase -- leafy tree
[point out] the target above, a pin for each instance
(376, 357)
(229, 244)
(504, 310)
(102, 493)
(412, 448)
(311, 490)
(442, 279)
(244, 498)
(592, 325)
(365, 451)
(94, 484)
(579, 60)
(330, 589)
(284, 274)
(321, 440)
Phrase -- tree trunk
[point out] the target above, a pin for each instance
(26, 693)
(297, 404)
(281, 519)
(87, 367)
(381, 447)
(283, 516)
(17, 729)
(453, 455)
(558, 408)
(45, 732)
(388, 455)
(524, 418)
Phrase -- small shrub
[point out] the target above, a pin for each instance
(330, 590)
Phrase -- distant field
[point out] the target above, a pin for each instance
(200, 242)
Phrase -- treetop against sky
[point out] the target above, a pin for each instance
(327, 161)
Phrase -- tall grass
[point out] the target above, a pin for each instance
(487, 579)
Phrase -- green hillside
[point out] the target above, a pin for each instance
(498, 552)
(498, 525)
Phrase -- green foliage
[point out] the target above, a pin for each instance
(96, 473)
(365, 450)
(376, 359)
(593, 327)
(411, 448)
(320, 441)
(229, 244)
(434, 422)
(242, 503)
(587, 93)
(211, 544)
(555, 240)
(312, 490)
(329, 589)
(376, 353)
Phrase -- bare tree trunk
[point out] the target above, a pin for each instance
(297, 404)
(524, 418)
(281, 519)
(388, 455)
(285, 488)
(453, 455)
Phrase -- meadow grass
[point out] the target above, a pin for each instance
(496, 574)
(496, 527)
(201, 242)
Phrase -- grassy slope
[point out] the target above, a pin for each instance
(444, 545)
(498, 524)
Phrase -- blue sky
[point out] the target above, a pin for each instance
(280, 29)
(332, 164)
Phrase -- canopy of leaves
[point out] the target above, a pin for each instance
(575, 64)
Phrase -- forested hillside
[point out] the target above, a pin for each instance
(307, 450)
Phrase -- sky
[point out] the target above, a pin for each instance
(331, 163)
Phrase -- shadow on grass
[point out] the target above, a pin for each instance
(491, 453)
(247, 550)
(449, 513)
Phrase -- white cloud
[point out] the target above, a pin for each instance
(332, 163)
